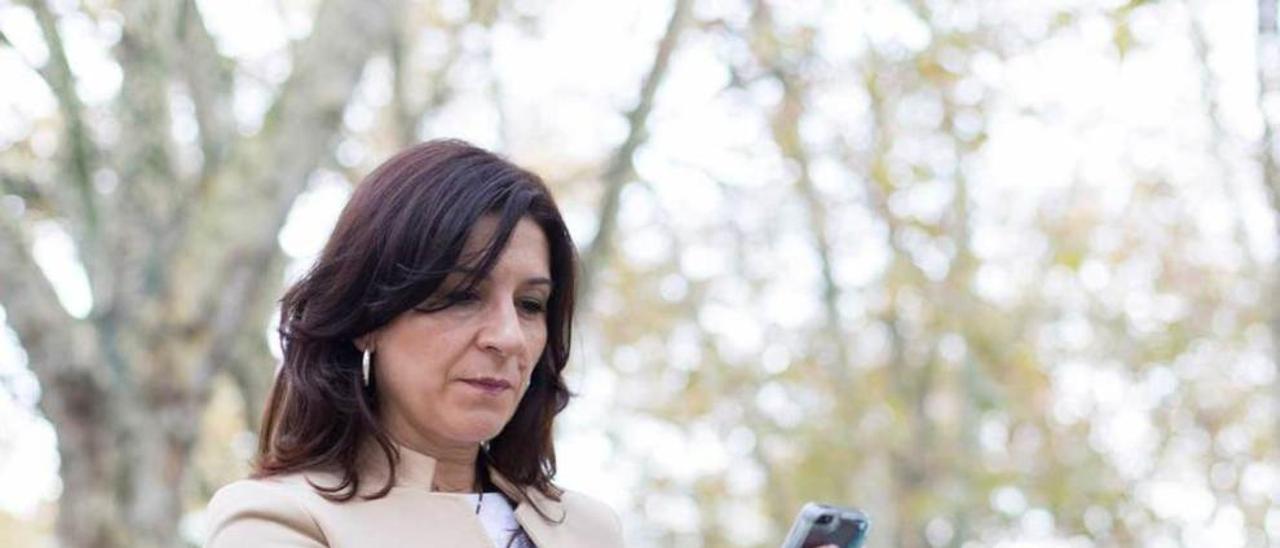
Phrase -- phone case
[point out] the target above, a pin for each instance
(823, 524)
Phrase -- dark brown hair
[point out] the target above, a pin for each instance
(397, 238)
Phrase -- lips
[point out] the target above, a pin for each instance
(490, 385)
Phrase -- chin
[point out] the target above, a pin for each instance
(479, 429)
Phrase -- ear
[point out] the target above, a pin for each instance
(368, 341)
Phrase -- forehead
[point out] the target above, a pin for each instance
(527, 252)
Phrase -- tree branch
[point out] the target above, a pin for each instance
(248, 359)
(236, 226)
(1268, 88)
(23, 187)
(81, 152)
(126, 283)
(621, 166)
(1221, 135)
(209, 78)
(785, 125)
(60, 348)
(406, 116)
(406, 112)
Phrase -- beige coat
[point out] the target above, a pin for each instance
(286, 511)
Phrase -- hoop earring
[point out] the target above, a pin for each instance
(364, 365)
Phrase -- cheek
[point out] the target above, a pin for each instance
(411, 381)
(536, 342)
(415, 364)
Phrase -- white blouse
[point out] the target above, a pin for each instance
(497, 516)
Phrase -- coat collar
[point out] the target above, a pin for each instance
(417, 470)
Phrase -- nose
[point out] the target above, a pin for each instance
(501, 332)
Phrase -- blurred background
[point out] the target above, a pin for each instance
(998, 272)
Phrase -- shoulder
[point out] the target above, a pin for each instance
(258, 512)
(591, 516)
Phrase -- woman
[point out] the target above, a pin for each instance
(422, 372)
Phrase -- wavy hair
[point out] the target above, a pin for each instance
(400, 234)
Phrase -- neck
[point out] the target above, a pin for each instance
(455, 469)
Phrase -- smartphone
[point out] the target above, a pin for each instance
(823, 525)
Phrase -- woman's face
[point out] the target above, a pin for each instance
(451, 371)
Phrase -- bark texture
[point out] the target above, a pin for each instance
(179, 263)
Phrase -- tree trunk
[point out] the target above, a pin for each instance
(88, 508)
(180, 266)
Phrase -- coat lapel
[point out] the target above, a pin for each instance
(544, 528)
(542, 517)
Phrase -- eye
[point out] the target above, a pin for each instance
(533, 306)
